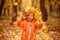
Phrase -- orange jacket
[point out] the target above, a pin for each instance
(29, 29)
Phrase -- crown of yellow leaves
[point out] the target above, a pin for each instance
(37, 14)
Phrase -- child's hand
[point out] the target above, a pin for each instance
(18, 19)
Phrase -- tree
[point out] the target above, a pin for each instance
(19, 3)
(2, 4)
(43, 10)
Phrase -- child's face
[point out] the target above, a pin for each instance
(30, 16)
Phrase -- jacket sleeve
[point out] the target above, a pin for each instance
(39, 25)
(20, 24)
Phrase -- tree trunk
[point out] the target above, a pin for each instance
(43, 10)
(2, 4)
